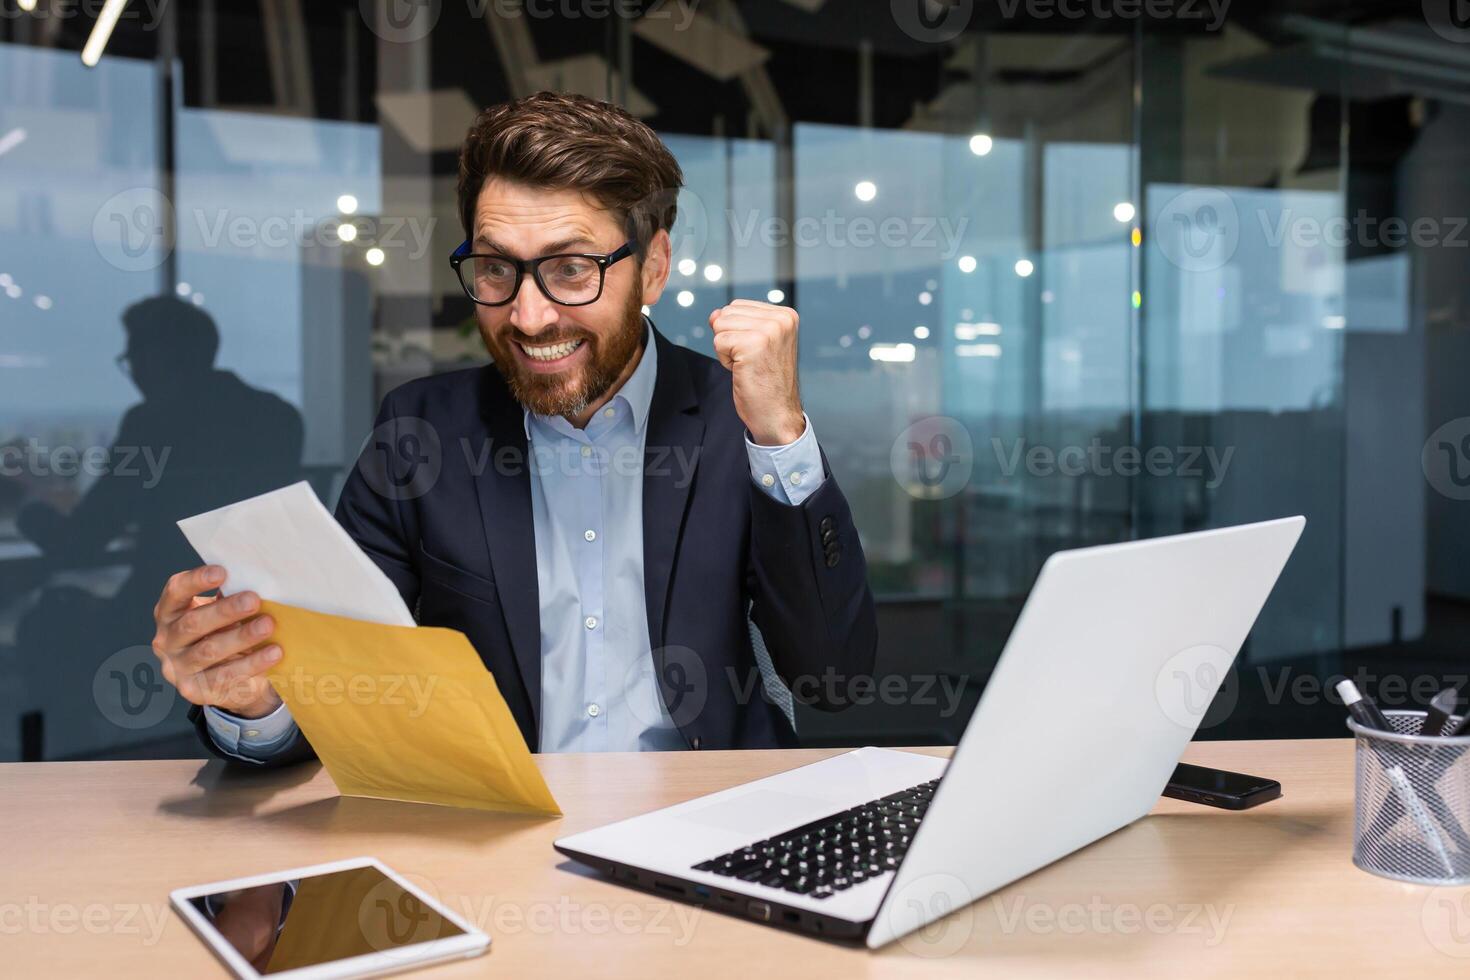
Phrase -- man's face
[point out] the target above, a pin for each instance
(528, 336)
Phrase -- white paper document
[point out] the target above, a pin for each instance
(286, 547)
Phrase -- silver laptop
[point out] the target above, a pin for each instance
(1114, 660)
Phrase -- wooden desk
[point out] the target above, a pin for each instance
(89, 852)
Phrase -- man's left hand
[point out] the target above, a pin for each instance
(757, 343)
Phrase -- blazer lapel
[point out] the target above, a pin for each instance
(670, 455)
(510, 532)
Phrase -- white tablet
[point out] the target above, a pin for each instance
(351, 918)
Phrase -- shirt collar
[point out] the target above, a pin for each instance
(637, 391)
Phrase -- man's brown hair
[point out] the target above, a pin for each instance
(563, 141)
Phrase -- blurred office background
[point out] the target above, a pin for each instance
(1067, 274)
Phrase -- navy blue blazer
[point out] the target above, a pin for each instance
(445, 512)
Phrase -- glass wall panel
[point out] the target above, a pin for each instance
(1061, 283)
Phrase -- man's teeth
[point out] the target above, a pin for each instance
(551, 352)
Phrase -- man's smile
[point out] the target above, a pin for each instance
(549, 357)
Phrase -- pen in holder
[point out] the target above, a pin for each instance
(1411, 817)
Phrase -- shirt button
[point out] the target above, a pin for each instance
(590, 622)
(586, 450)
(796, 478)
(590, 534)
(252, 732)
(608, 413)
(593, 711)
(767, 480)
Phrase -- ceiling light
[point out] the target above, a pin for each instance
(101, 32)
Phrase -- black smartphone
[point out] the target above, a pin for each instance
(1216, 787)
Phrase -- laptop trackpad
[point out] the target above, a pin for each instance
(761, 812)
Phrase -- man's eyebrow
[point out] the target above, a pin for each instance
(563, 245)
(568, 243)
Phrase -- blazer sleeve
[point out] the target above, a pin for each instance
(808, 581)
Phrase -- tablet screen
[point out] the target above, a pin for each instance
(306, 921)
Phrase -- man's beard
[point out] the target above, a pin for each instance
(558, 394)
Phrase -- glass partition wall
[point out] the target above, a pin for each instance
(1063, 281)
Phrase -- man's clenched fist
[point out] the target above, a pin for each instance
(757, 342)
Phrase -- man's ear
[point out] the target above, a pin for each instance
(657, 260)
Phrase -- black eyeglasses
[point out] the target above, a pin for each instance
(568, 279)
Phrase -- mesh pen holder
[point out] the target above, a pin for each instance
(1411, 816)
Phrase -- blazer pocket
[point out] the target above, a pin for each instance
(456, 579)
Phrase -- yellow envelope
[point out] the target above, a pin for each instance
(403, 713)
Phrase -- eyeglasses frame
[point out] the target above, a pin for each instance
(602, 259)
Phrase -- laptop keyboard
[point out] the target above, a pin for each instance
(834, 853)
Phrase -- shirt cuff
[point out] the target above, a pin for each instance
(789, 473)
(250, 739)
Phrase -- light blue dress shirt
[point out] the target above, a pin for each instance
(598, 688)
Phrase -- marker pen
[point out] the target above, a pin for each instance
(1364, 712)
(1441, 706)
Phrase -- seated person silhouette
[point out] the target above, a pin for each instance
(200, 438)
